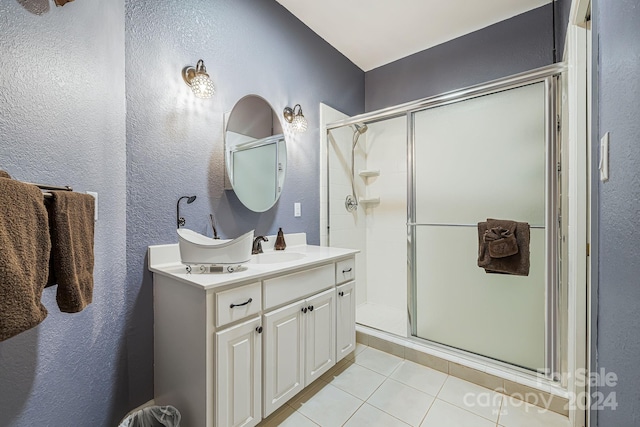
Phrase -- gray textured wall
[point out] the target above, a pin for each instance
(174, 140)
(563, 9)
(618, 328)
(519, 44)
(62, 121)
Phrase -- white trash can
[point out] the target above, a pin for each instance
(153, 416)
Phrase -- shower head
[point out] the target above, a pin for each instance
(360, 128)
(191, 199)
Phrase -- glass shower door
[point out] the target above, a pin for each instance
(479, 158)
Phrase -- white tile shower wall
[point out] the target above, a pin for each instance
(386, 229)
(347, 229)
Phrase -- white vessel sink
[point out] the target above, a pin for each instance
(276, 257)
(196, 248)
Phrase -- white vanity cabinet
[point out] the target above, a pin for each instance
(345, 307)
(320, 335)
(238, 356)
(345, 320)
(299, 347)
(229, 349)
(239, 375)
(283, 355)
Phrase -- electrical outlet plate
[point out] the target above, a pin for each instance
(297, 210)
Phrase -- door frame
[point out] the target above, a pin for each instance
(577, 55)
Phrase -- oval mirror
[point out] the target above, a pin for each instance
(255, 153)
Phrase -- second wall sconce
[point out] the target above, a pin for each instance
(198, 79)
(296, 118)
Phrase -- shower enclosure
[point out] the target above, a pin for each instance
(408, 186)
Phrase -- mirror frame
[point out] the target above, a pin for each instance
(279, 139)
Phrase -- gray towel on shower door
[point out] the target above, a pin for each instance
(517, 264)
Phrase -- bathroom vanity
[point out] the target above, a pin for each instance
(231, 348)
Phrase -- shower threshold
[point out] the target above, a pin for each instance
(471, 367)
(383, 318)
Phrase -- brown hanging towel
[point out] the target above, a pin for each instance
(71, 224)
(4, 174)
(24, 257)
(517, 264)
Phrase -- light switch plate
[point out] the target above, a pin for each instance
(297, 210)
(95, 196)
(604, 158)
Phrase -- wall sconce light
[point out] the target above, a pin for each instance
(198, 79)
(296, 118)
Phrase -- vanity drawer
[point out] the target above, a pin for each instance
(345, 270)
(280, 290)
(232, 305)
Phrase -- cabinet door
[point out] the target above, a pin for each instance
(283, 355)
(346, 320)
(320, 334)
(239, 375)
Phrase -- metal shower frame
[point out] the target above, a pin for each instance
(548, 75)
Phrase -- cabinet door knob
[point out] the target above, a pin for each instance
(259, 329)
(304, 309)
(348, 270)
(341, 293)
(310, 308)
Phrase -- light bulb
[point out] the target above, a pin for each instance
(202, 86)
(299, 123)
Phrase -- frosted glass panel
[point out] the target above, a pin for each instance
(482, 158)
(495, 315)
(477, 159)
(254, 176)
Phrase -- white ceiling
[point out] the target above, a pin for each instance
(372, 33)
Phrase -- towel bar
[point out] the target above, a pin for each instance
(47, 194)
(414, 224)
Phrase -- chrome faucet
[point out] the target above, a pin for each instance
(257, 245)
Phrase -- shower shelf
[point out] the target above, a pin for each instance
(369, 200)
(368, 173)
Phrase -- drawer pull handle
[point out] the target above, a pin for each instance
(348, 270)
(341, 293)
(304, 310)
(310, 308)
(259, 329)
(240, 305)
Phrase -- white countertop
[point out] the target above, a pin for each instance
(165, 260)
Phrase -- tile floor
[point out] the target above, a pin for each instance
(371, 388)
